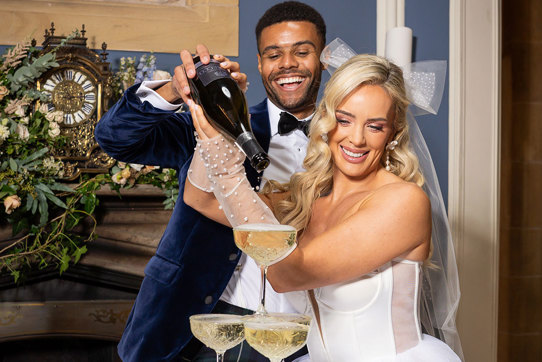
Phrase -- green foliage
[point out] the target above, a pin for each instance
(51, 222)
(30, 71)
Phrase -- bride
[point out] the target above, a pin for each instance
(364, 221)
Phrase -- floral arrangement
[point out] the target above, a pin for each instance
(130, 74)
(52, 222)
(145, 68)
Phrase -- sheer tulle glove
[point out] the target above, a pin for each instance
(217, 166)
(197, 174)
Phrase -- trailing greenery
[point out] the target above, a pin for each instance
(51, 222)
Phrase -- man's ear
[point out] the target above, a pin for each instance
(259, 63)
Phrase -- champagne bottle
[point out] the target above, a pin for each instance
(225, 106)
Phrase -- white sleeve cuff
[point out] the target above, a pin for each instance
(146, 92)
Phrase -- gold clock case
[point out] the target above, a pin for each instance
(82, 154)
(73, 86)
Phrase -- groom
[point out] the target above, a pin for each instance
(197, 268)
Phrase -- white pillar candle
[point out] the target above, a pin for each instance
(399, 46)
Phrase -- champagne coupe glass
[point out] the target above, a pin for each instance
(219, 332)
(277, 335)
(266, 244)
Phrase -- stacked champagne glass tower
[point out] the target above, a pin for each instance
(275, 335)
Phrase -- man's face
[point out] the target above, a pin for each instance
(289, 62)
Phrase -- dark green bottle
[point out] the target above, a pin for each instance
(225, 106)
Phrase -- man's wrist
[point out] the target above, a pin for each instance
(168, 92)
(147, 93)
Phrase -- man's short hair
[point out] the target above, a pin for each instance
(291, 11)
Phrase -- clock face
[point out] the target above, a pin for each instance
(73, 92)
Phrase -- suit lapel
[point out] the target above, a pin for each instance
(260, 124)
(259, 121)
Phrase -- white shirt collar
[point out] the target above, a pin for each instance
(274, 116)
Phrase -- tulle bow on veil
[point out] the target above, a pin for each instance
(424, 81)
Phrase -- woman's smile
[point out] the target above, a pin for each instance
(354, 156)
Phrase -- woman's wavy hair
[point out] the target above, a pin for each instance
(305, 187)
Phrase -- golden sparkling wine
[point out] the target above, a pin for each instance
(265, 243)
(276, 340)
(218, 331)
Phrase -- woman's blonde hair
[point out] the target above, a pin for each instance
(305, 187)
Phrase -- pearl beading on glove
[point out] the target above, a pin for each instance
(217, 166)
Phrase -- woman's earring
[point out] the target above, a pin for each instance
(324, 137)
(390, 147)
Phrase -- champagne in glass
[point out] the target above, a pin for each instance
(219, 332)
(266, 244)
(277, 335)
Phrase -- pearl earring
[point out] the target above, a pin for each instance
(390, 147)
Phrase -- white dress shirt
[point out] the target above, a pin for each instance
(286, 153)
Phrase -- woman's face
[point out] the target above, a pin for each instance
(364, 127)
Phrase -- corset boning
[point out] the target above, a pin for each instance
(372, 317)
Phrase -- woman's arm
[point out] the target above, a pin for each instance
(204, 202)
(217, 186)
(395, 222)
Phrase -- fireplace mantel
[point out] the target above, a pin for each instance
(93, 298)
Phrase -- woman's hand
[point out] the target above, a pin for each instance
(235, 71)
(201, 124)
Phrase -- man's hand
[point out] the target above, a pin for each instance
(178, 89)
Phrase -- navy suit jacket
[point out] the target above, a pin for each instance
(196, 256)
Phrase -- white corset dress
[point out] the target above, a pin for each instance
(373, 318)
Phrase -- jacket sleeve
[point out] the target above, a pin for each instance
(136, 132)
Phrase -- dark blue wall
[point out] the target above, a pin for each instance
(355, 22)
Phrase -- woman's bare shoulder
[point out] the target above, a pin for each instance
(400, 194)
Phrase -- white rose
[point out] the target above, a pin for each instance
(20, 112)
(11, 203)
(118, 179)
(161, 75)
(59, 116)
(54, 129)
(50, 116)
(43, 108)
(24, 120)
(22, 132)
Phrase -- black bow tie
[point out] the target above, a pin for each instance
(288, 123)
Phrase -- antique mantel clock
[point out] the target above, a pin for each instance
(80, 87)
